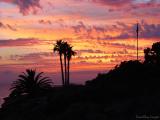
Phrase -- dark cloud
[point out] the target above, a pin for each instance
(19, 42)
(124, 51)
(121, 45)
(11, 28)
(150, 30)
(39, 60)
(87, 31)
(7, 26)
(146, 30)
(90, 51)
(2, 25)
(81, 27)
(32, 56)
(78, 28)
(45, 22)
(25, 6)
(113, 2)
(123, 48)
(127, 5)
(126, 31)
(93, 57)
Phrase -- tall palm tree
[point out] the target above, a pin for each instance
(65, 50)
(66, 45)
(31, 83)
(59, 47)
(70, 53)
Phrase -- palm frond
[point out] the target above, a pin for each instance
(29, 82)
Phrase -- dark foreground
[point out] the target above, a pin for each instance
(130, 91)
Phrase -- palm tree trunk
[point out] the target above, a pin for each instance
(62, 70)
(65, 69)
(68, 73)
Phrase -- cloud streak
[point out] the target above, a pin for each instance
(117, 3)
(32, 56)
(19, 42)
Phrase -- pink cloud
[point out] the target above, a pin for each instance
(25, 6)
(20, 42)
(146, 30)
(116, 3)
(34, 57)
(125, 31)
(127, 5)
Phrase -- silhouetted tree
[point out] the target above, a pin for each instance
(147, 55)
(30, 83)
(59, 47)
(156, 50)
(65, 46)
(65, 50)
(70, 53)
(152, 55)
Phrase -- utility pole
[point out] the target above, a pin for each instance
(137, 30)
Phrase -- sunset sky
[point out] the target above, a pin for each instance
(103, 33)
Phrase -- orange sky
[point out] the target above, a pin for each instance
(103, 33)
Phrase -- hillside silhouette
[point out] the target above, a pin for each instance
(129, 91)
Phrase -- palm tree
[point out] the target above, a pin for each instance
(66, 45)
(70, 53)
(31, 83)
(63, 48)
(59, 47)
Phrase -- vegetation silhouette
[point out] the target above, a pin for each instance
(152, 55)
(30, 83)
(65, 49)
(70, 53)
(127, 92)
(59, 47)
(65, 60)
